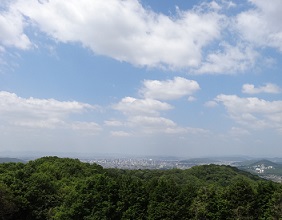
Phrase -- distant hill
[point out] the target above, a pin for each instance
(276, 160)
(265, 163)
(235, 160)
(263, 168)
(254, 162)
(200, 161)
(9, 160)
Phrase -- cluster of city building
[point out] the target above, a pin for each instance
(137, 163)
(260, 168)
(148, 163)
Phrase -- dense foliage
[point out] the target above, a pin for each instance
(56, 188)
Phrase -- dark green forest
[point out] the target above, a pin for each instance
(64, 189)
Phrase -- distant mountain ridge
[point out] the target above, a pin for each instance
(11, 160)
(266, 163)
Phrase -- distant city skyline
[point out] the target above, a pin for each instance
(169, 78)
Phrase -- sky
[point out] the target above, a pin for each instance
(169, 78)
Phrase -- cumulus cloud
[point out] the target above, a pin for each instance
(145, 115)
(126, 31)
(238, 132)
(89, 128)
(253, 112)
(10, 102)
(267, 88)
(168, 89)
(42, 113)
(152, 125)
(231, 59)
(211, 104)
(131, 32)
(120, 134)
(12, 31)
(113, 123)
(157, 124)
(191, 99)
(133, 106)
(262, 25)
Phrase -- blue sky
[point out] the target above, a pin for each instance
(179, 78)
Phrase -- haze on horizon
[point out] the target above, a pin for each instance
(178, 78)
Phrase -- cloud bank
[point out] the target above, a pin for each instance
(267, 88)
(43, 113)
(253, 112)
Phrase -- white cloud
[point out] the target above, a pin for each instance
(42, 113)
(133, 106)
(2, 49)
(49, 123)
(169, 89)
(113, 123)
(211, 104)
(230, 4)
(191, 99)
(253, 112)
(126, 31)
(268, 88)
(253, 104)
(120, 134)
(231, 59)
(153, 125)
(143, 117)
(220, 5)
(87, 127)
(157, 122)
(262, 25)
(11, 103)
(12, 31)
(238, 132)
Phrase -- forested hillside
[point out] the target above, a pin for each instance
(62, 188)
